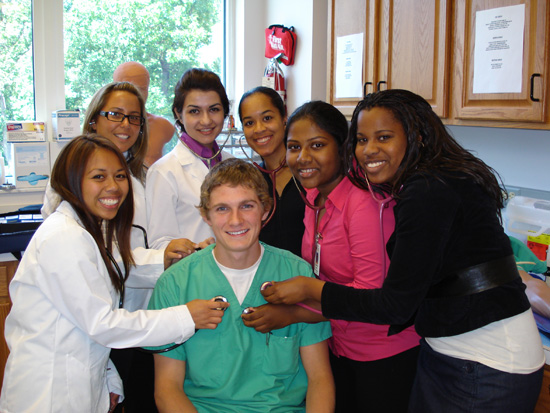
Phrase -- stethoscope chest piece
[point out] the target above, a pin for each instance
(222, 299)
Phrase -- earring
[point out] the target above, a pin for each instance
(421, 144)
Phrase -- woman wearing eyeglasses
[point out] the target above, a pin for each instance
(116, 112)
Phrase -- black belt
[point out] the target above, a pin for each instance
(477, 278)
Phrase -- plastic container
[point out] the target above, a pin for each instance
(528, 216)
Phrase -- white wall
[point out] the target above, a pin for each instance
(520, 156)
(306, 79)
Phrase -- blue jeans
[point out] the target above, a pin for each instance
(447, 384)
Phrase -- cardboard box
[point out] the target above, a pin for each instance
(25, 131)
(31, 164)
(65, 124)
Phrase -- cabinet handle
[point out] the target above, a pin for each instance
(365, 89)
(382, 82)
(533, 76)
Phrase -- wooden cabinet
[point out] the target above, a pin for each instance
(427, 46)
(406, 46)
(527, 108)
(543, 403)
(7, 271)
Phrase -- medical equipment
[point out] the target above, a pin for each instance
(265, 285)
(209, 159)
(272, 174)
(219, 298)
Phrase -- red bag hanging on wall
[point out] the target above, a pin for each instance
(280, 39)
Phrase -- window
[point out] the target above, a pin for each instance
(16, 65)
(167, 36)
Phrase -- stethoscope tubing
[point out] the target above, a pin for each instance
(273, 176)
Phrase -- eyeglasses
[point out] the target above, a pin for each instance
(119, 117)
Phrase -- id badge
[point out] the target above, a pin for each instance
(317, 259)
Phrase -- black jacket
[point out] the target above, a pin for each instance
(440, 227)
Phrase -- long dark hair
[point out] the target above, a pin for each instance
(66, 180)
(136, 154)
(200, 79)
(431, 150)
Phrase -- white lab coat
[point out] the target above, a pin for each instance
(149, 262)
(65, 319)
(173, 194)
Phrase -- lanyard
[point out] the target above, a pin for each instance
(316, 252)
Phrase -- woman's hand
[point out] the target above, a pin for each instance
(207, 313)
(294, 290)
(206, 242)
(269, 317)
(178, 249)
(113, 401)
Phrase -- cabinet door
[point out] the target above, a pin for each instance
(406, 46)
(349, 17)
(502, 106)
(414, 44)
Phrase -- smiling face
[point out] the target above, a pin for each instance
(381, 144)
(123, 134)
(263, 126)
(202, 116)
(104, 184)
(313, 157)
(235, 215)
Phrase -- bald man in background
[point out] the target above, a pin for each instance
(160, 129)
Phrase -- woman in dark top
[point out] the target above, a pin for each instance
(452, 271)
(263, 116)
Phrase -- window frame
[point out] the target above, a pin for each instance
(49, 57)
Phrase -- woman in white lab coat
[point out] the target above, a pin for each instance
(117, 112)
(173, 182)
(67, 291)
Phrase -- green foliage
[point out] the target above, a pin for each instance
(166, 36)
(16, 77)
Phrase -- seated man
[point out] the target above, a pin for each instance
(235, 368)
(161, 129)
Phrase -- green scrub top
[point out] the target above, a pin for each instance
(235, 368)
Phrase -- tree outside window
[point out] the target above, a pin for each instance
(166, 36)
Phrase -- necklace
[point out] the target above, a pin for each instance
(209, 159)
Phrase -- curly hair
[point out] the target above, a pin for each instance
(431, 150)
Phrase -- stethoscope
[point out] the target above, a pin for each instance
(219, 298)
(122, 280)
(117, 267)
(382, 204)
(273, 176)
(209, 159)
(316, 250)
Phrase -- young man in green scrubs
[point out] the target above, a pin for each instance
(235, 368)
